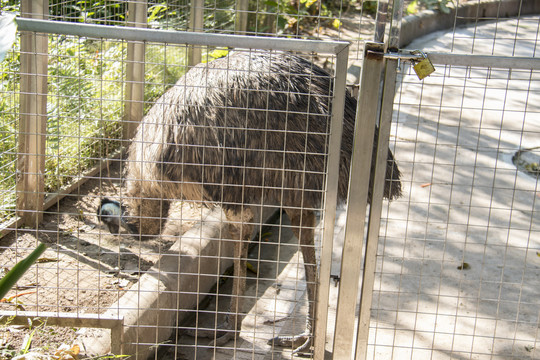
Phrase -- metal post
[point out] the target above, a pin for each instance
(33, 117)
(182, 37)
(357, 200)
(395, 25)
(370, 259)
(134, 105)
(380, 21)
(334, 149)
(374, 221)
(196, 23)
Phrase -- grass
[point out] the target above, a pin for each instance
(85, 105)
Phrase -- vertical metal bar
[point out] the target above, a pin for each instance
(395, 25)
(376, 208)
(33, 117)
(357, 200)
(134, 105)
(380, 21)
(196, 23)
(242, 7)
(332, 176)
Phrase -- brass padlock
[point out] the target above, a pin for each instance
(424, 67)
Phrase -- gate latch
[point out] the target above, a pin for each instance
(423, 67)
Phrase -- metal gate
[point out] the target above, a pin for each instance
(450, 270)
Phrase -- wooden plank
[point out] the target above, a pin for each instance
(33, 118)
(241, 17)
(99, 321)
(134, 103)
(196, 23)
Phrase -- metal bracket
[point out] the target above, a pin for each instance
(407, 55)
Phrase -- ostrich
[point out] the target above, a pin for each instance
(247, 129)
(112, 214)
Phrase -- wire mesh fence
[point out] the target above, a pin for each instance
(458, 259)
(156, 286)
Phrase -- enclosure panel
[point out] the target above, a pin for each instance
(357, 202)
(457, 261)
(260, 123)
(477, 204)
(372, 238)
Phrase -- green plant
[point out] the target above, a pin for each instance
(283, 15)
(293, 16)
(89, 11)
(84, 107)
(440, 5)
(9, 103)
(370, 6)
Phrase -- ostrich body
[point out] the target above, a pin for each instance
(250, 129)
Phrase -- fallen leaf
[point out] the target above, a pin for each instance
(11, 298)
(336, 23)
(26, 286)
(66, 353)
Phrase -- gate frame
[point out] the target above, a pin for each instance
(383, 58)
(339, 49)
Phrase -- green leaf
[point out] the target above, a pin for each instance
(445, 9)
(413, 7)
(155, 11)
(219, 53)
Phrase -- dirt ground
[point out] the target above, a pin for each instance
(85, 269)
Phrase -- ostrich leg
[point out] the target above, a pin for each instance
(303, 223)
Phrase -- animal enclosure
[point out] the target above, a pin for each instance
(223, 215)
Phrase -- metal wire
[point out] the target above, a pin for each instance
(456, 264)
